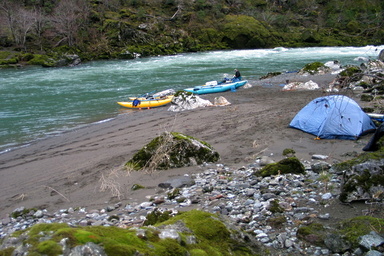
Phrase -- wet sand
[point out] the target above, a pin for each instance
(83, 167)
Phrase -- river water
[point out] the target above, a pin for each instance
(37, 102)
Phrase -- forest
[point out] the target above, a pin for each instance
(36, 31)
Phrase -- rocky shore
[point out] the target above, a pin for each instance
(271, 209)
(78, 178)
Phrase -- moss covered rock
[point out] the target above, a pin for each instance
(189, 233)
(313, 233)
(315, 68)
(9, 59)
(363, 176)
(172, 150)
(364, 181)
(287, 165)
(359, 226)
(342, 236)
(354, 73)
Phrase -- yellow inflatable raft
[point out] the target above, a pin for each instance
(153, 103)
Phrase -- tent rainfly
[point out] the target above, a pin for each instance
(333, 117)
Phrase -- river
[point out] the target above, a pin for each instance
(37, 102)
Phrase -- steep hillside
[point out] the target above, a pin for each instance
(104, 29)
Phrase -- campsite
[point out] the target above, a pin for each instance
(253, 128)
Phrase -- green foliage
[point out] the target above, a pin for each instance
(324, 177)
(270, 75)
(289, 152)
(242, 31)
(274, 207)
(5, 55)
(49, 247)
(212, 236)
(83, 236)
(23, 213)
(174, 193)
(310, 36)
(106, 29)
(183, 94)
(9, 61)
(353, 26)
(120, 249)
(137, 187)
(366, 97)
(39, 59)
(313, 67)
(169, 247)
(353, 228)
(198, 252)
(156, 217)
(350, 71)
(312, 233)
(7, 251)
(277, 222)
(9, 58)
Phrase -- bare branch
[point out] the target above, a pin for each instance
(58, 193)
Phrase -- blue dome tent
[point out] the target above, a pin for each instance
(333, 117)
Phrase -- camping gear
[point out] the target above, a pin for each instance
(136, 103)
(377, 117)
(216, 87)
(333, 117)
(151, 95)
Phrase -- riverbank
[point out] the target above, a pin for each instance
(68, 170)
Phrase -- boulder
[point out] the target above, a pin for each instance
(371, 240)
(287, 165)
(315, 68)
(363, 181)
(173, 150)
(221, 101)
(89, 249)
(179, 182)
(336, 243)
(334, 66)
(310, 85)
(320, 166)
(381, 55)
(62, 61)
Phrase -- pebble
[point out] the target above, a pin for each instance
(238, 194)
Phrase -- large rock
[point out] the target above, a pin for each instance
(315, 68)
(62, 61)
(371, 240)
(89, 249)
(171, 150)
(381, 55)
(287, 165)
(363, 181)
(310, 85)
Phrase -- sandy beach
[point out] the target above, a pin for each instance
(69, 170)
